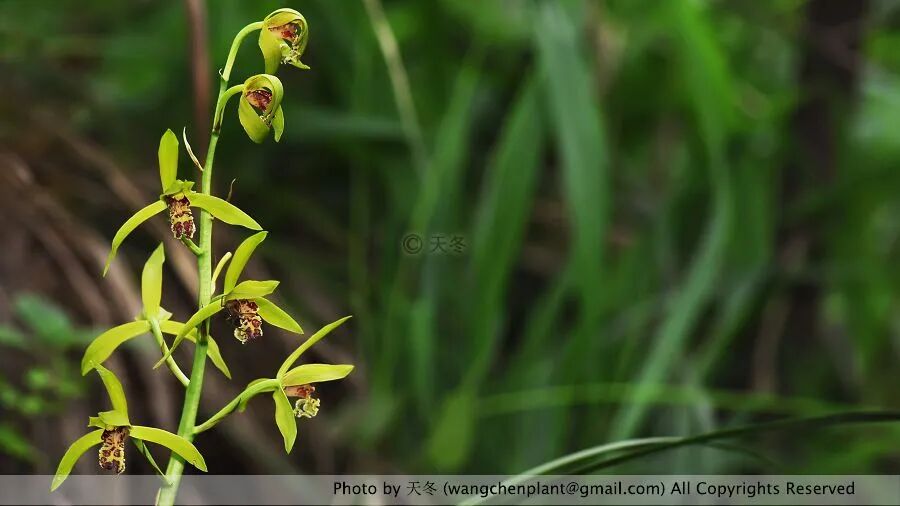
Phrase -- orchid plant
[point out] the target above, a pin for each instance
(283, 36)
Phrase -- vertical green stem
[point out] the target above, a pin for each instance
(175, 469)
(192, 395)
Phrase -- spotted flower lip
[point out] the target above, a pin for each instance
(283, 39)
(178, 197)
(181, 219)
(112, 451)
(243, 315)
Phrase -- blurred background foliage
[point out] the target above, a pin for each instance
(674, 217)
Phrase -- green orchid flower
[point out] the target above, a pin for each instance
(113, 430)
(178, 197)
(283, 38)
(153, 319)
(288, 382)
(259, 109)
(245, 302)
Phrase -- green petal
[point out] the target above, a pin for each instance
(113, 418)
(215, 355)
(151, 282)
(315, 373)
(252, 289)
(168, 159)
(270, 45)
(161, 315)
(284, 418)
(196, 319)
(239, 260)
(174, 442)
(131, 224)
(179, 186)
(102, 347)
(67, 462)
(278, 123)
(223, 210)
(255, 127)
(288, 362)
(276, 316)
(114, 388)
(172, 327)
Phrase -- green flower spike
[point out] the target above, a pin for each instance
(245, 302)
(154, 320)
(113, 430)
(289, 381)
(283, 39)
(259, 109)
(178, 197)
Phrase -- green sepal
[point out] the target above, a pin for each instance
(270, 45)
(240, 258)
(252, 289)
(184, 448)
(255, 127)
(315, 373)
(223, 210)
(102, 347)
(145, 451)
(288, 362)
(277, 316)
(284, 419)
(75, 451)
(132, 223)
(168, 159)
(151, 282)
(113, 388)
